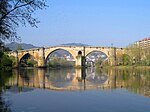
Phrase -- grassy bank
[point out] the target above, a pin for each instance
(128, 67)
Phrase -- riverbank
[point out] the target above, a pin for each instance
(127, 67)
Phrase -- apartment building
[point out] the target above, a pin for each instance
(144, 43)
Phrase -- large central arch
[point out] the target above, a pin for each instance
(46, 57)
(48, 51)
(59, 57)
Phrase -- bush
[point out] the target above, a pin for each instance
(5, 62)
(14, 61)
(31, 62)
(59, 62)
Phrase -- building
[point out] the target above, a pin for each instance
(144, 43)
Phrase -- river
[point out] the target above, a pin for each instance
(75, 90)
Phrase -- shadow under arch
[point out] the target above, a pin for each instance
(25, 57)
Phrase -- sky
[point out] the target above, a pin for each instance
(93, 22)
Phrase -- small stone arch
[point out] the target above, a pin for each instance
(80, 53)
(20, 58)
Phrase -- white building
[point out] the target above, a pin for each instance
(144, 43)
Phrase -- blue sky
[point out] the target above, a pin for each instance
(93, 22)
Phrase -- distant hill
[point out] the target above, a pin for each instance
(75, 44)
(14, 46)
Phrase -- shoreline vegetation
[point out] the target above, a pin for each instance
(127, 67)
(97, 67)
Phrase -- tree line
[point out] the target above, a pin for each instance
(134, 55)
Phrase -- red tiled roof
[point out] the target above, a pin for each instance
(148, 38)
(144, 39)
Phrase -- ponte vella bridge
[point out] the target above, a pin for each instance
(78, 52)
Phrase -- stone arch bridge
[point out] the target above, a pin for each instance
(78, 52)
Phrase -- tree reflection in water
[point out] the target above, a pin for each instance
(4, 77)
(137, 81)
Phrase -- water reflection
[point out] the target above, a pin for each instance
(61, 79)
(137, 81)
(63, 88)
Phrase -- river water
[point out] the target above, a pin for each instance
(75, 90)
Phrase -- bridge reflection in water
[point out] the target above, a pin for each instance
(64, 79)
(137, 81)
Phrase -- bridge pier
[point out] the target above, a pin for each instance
(41, 58)
(16, 60)
(80, 61)
(112, 57)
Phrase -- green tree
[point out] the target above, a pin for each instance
(31, 62)
(134, 51)
(59, 62)
(5, 62)
(126, 60)
(145, 60)
(14, 61)
(14, 13)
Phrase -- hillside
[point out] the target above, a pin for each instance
(14, 46)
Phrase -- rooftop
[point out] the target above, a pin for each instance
(144, 39)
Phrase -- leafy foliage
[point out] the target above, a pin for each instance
(134, 51)
(59, 62)
(14, 13)
(14, 61)
(31, 62)
(134, 55)
(5, 61)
